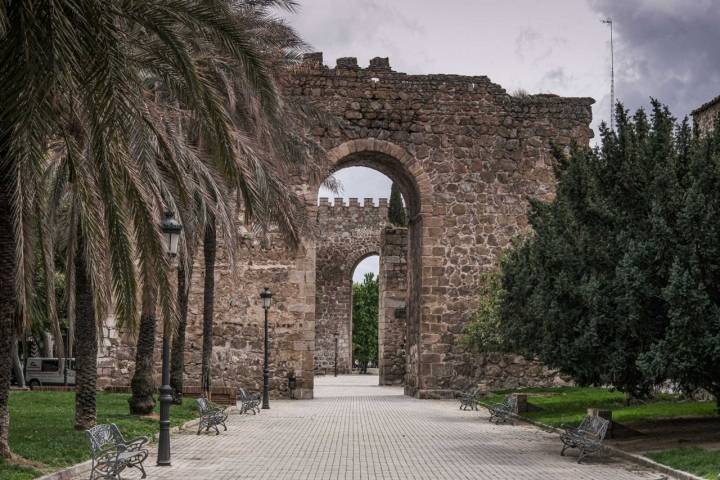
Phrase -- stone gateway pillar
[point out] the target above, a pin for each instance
(392, 321)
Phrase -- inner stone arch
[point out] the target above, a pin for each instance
(348, 233)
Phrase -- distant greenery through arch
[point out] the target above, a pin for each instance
(365, 321)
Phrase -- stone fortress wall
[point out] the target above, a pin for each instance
(466, 155)
(704, 117)
(347, 234)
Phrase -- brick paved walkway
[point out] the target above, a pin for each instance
(356, 430)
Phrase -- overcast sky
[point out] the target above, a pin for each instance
(667, 49)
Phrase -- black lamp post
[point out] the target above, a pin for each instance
(171, 229)
(266, 298)
(336, 352)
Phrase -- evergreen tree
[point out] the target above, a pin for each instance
(689, 349)
(365, 321)
(618, 282)
(396, 210)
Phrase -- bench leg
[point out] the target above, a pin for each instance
(582, 455)
(140, 467)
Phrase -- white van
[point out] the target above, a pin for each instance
(49, 371)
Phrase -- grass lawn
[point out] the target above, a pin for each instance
(16, 472)
(569, 405)
(41, 428)
(701, 462)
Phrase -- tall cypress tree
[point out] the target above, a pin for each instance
(396, 209)
(618, 282)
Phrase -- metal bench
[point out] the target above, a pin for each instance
(469, 400)
(210, 416)
(247, 402)
(587, 437)
(111, 453)
(502, 412)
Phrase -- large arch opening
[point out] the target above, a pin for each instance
(400, 265)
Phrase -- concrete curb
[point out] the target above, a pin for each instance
(84, 467)
(614, 451)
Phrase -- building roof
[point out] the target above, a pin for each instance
(706, 105)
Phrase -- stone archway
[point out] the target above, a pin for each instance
(467, 157)
(398, 347)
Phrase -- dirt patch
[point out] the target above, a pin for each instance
(665, 434)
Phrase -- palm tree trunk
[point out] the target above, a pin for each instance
(8, 298)
(209, 249)
(86, 343)
(17, 365)
(177, 365)
(142, 402)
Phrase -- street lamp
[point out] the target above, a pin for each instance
(266, 299)
(171, 229)
(336, 352)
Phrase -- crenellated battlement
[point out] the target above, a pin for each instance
(315, 60)
(352, 217)
(339, 202)
(471, 87)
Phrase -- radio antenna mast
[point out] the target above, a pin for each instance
(609, 22)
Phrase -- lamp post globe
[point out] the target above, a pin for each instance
(266, 297)
(171, 230)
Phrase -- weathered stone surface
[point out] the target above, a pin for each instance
(466, 156)
(704, 117)
(347, 234)
(392, 317)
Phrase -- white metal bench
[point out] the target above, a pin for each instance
(210, 416)
(587, 437)
(111, 453)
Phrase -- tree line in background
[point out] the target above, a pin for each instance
(365, 304)
(618, 283)
(111, 114)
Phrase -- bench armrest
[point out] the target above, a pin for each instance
(136, 443)
(569, 428)
(108, 454)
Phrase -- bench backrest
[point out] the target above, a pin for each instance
(100, 436)
(510, 402)
(242, 394)
(202, 404)
(595, 426)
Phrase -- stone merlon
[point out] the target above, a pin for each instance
(339, 203)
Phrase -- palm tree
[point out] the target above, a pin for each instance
(90, 62)
(8, 299)
(260, 122)
(266, 149)
(87, 343)
(209, 251)
(272, 150)
(177, 365)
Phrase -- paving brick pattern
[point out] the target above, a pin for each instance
(356, 430)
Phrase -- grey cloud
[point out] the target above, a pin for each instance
(665, 49)
(555, 79)
(343, 28)
(525, 40)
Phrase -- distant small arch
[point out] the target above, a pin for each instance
(360, 256)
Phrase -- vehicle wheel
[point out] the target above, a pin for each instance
(34, 383)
